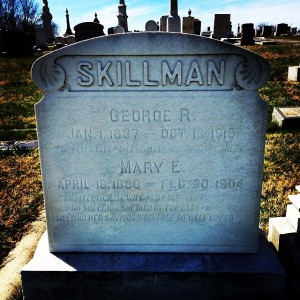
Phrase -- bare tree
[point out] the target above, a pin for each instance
(19, 15)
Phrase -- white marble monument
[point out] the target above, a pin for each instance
(153, 146)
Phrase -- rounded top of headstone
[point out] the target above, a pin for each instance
(248, 71)
(151, 25)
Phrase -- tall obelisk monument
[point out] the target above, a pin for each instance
(122, 15)
(173, 21)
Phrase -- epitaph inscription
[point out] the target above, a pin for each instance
(151, 152)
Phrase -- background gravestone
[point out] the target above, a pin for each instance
(88, 30)
(119, 29)
(41, 39)
(282, 29)
(70, 39)
(163, 23)
(247, 34)
(222, 26)
(267, 31)
(197, 26)
(188, 24)
(151, 26)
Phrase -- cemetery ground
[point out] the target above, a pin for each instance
(21, 198)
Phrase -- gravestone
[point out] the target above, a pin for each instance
(163, 23)
(282, 29)
(284, 235)
(287, 116)
(111, 30)
(197, 26)
(206, 33)
(267, 31)
(70, 39)
(151, 154)
(294, 31)
(247, 34)
(151, 26)
(59, 42)
(188, 24)
(294, 73)
(88, 30)
(40, 39)
(173, 160)
(119, 29)
(222, 26)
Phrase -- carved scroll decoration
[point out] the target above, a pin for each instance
(52, 76)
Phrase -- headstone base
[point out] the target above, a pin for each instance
(153, 275)
(287, 116)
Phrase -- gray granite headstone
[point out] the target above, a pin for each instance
(151, 25)
(188, 24)
(222, 26)
(163, 23)
(40, 38)
(152, 146)
(119, 29)
(70, 39)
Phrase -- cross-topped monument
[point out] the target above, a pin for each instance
(68, 30)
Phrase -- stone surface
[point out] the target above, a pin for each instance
(122, 16)
(153, 147)
(153, 275)
(294, 73)
(293, 216)
(278, 227)
(197, 26)
(222, 26)
(282, 29)
(151, 26)
(88, 30)
(188, 24)
(40, 39)
(163, 23)
(295, 199)
(247, 34)
(173, 21)
(59, 42)
(119, 29)
(70, 39)
(286, 116)
(284, 235)
(267, 31)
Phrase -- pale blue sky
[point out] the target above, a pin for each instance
(139, 12)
